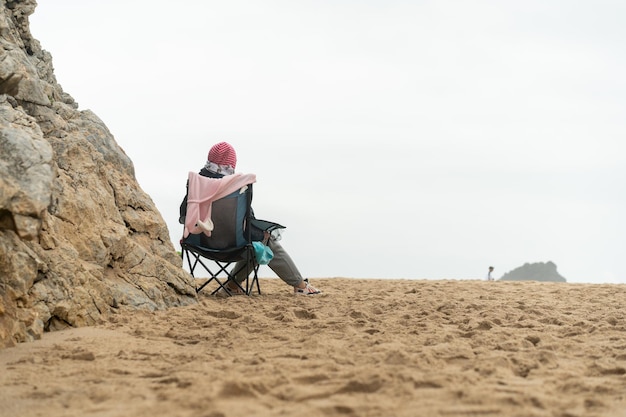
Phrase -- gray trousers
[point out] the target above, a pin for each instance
(281, 264)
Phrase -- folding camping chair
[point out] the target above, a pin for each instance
(230, 242)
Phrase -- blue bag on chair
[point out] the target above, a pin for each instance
(263, 253)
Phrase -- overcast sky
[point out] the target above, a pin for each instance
(394, 139)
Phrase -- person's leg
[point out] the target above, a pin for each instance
(283, 265)
(241, 271)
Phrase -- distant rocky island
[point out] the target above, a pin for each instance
(539, 271)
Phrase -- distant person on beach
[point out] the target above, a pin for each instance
(221, 161)
(489, 276)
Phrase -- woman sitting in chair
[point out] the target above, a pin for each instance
(222, 160)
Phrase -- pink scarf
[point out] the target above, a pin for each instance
(202, 192)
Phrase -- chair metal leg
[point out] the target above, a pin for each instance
(222, 267)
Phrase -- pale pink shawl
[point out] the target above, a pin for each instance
(202, 192)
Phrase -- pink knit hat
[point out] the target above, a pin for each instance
(223, 154)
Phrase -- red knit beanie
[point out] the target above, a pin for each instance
(223, 154)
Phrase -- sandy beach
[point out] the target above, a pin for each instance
(363, 348)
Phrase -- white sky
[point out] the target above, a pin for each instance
(394, 139)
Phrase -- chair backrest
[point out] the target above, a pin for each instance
(230, 219)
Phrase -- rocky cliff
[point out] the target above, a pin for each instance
(79, 239)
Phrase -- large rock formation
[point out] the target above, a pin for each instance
(78, 237)
(538, 271)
